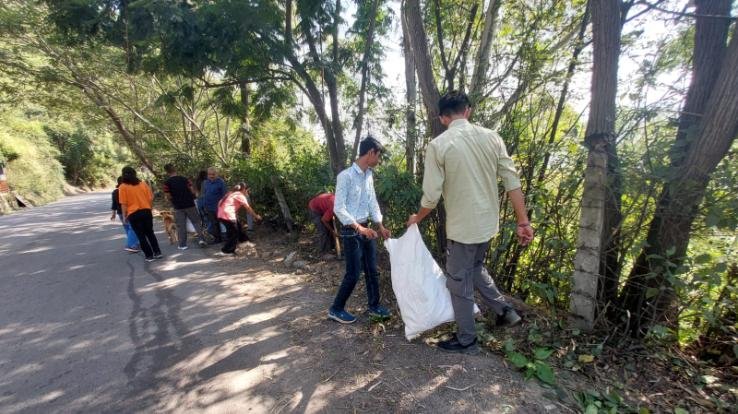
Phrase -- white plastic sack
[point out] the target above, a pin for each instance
(419, 284)
(190, 227)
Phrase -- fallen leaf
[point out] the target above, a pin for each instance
(586, 358)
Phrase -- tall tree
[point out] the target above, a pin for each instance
(319, 21)
(411, 96)
(455, 65)
(365, 74)
(599, 140)
(418, 42)
(481, 66)
(423, 67)
(314, 16)
(708, 125)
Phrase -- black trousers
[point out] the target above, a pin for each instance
(142, 223)
(233, 236)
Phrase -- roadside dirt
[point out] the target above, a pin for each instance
(292, 359)
(271, 347)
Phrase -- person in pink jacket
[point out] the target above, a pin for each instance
(227, 209)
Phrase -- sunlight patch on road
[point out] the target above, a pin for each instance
(52, 395)
(25, 369)
(277, 355)
(255, 318)
(171, 265)
(167, 283)
(36, 250)
(322, 395)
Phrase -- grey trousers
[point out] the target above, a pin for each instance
(465, 271)
(326, 241)
(180, 217)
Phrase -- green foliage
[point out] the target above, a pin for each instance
(595, 402)
(548, 261)
(87, 161)
(398, 195)
(7, 154)
(32, 167)
(709, 290)
(288, 153)
(75, 151)
(531, 365)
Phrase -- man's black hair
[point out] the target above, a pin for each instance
(452, 103)
(169, 168)
(370, 143)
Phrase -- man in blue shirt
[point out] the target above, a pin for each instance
(214, 189)
(355, 204)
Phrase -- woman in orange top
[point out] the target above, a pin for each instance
(135, 199)
(227, 208)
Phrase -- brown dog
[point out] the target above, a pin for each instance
(167, 217)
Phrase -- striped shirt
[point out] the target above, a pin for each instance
(356, 201)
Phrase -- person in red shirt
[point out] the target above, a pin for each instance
(321, 213)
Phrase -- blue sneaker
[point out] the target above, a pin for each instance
(341, 316)
(379, 311)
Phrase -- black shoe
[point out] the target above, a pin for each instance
(453, 345)
(508, 318)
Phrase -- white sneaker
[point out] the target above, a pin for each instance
(182, 247)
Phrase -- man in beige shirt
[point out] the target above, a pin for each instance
(463, 165)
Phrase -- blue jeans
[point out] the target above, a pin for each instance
(360, 254)
(131, 239)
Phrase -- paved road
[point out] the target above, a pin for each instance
(87, 327)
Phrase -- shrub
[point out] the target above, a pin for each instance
(32, 168)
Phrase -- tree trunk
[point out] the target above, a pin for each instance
(607, 291)
(481, 64)
(358, 123)
(449, 82)
(649, 294)
(284, 208)
(463, 50)
(288, 23)
(411, 96)
(600, 141)
(423, 64)
(708, 55)
(332, 84)
(429, 90)
(245, 128)
(316, 99)
(331, 125)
